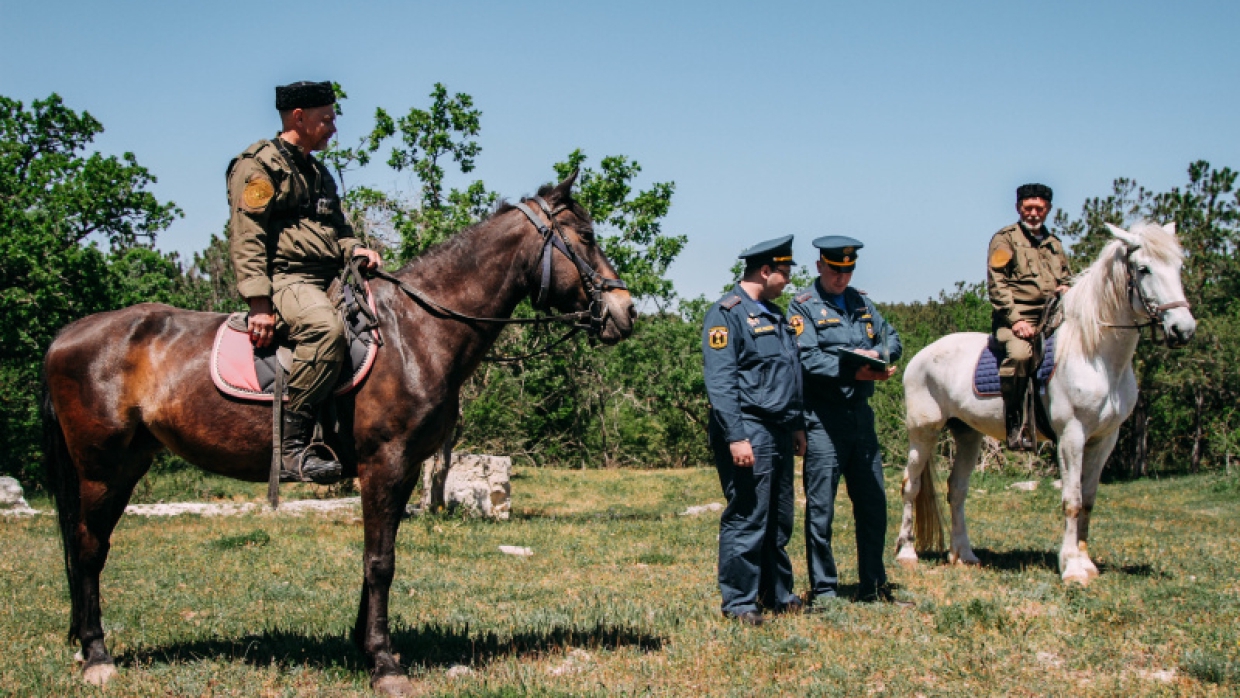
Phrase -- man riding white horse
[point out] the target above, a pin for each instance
(1025, 268)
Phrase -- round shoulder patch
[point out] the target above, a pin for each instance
(1000, 257)
(257, 194)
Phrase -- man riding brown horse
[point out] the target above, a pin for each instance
(289, 239)
(1025, 268)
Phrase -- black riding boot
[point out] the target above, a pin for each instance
(302, 461)
(1013, 391)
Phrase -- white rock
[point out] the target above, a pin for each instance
(457, 671)
(11, 499)
(478, 483)
(10, 492)
(515, 550)
(702, 509)
(1026, 486)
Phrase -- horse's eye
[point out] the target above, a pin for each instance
(1143, 269)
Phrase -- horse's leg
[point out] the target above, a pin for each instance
(385, 491)
(968, 447)
(1071, 461)
(920, 463)
(1096, 453)
(87, 530)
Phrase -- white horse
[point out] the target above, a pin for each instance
(1134, 282)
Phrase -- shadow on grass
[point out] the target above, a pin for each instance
(1018, 560)
(430, 646)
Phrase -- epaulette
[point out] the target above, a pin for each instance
(729, 302)
(804, 297)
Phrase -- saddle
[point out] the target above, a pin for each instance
(986, 380)
(242, 371)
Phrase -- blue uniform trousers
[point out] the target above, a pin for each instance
(841, 442)
(754, 567)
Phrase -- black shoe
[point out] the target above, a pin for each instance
(303, 461)
(753, 618)
(795, 607)
(882, 594)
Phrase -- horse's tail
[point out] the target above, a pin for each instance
(61, 478)
(927, 518)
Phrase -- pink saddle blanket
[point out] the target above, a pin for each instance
(239, 371)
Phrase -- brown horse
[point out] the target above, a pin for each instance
(122, 385)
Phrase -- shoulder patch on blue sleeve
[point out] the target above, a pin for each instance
(729, 302)
(804, 297)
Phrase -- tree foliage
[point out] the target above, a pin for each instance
(78, 233)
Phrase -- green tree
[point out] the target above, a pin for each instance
(427, 140)
(78, 229)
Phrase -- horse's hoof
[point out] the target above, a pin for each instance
(966, 560)
(99, 674)
(907, 559)
(394, 686)
(1076, 577)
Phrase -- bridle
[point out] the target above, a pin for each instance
(592, 320)
(1153, 312)
(595, 284)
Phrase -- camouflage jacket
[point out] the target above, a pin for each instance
(286, 221)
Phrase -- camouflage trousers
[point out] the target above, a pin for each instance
(317, 333)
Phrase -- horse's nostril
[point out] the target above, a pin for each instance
(632, 312)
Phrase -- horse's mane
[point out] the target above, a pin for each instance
(1099, 295)
(461, 243)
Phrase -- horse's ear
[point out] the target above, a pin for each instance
(1170, 227)
(563, 191)
(1132, 241)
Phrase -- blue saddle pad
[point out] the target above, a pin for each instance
(986, 375)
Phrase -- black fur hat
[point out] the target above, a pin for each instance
(1033, 191)
(304, 95)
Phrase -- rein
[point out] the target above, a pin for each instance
(595, 285)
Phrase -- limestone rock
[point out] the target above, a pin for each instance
(11, 499)
(1026, 486)
(478, 483)
(700, 509)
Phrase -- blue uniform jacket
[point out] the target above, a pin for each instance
(752, 365)
(823, 330)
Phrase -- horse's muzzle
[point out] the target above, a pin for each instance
(1179, 332)
(618, 316)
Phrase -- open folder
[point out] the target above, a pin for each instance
(850, 356)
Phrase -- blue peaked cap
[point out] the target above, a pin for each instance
(777, 251)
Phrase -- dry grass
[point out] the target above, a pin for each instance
(619, 598)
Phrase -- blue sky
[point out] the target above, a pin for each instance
(905, 124)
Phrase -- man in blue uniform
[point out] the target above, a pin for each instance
(753, 381)
(835, 323)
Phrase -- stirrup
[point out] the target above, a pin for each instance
(329, 474)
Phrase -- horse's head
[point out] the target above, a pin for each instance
(1155, 291)
(578, 277)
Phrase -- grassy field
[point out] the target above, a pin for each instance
(619, 598)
